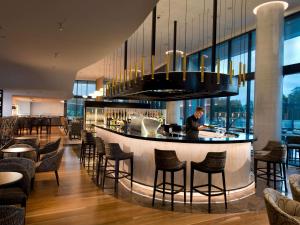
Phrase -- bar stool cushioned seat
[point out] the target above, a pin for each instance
(214, 162)
(167, 161)
(276, 156)
(115, 153)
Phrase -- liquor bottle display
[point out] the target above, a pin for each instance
(109, 116)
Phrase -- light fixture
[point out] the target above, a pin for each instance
(283, 3)
(84, 96)
(177, 52)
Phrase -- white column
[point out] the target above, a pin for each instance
(268, 72)
(173, 112)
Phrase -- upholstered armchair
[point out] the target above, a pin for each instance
(15, 193)
(50, 163)
(295, 186)
(11, 215)
(28, 164)
(281, 210)
(49, 147)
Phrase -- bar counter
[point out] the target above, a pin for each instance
(238, 162)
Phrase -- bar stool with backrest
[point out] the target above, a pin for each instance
(88, 148)
(100, 148)
(275, 156)
(115, 153)
(293, 146)
(167, 161)
(213, 163)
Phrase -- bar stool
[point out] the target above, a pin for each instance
(88, 148)
(167, 161)
(293, 146)
(276, 156)
(115, 153)
(100, 147)
(214, 162)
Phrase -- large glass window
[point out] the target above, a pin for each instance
(193, 62)
(239, 52)
(253, 47)
(292, 40)
(222, 54)
(219, 111)
(252, 91)
(81, 88)
(238, 110)
(291, 103)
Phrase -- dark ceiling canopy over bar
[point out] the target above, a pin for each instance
(173, 89)
(178, 85)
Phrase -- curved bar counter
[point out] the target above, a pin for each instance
(238, 162)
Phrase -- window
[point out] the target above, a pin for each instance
(222, 54)
(253, 47)
(219, 111)
(193, 62)
(251, 122)
(291, 103)
(75, 106)
(239, 52)
(292, 40)
(238, 104)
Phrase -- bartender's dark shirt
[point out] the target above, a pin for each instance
(192, 124)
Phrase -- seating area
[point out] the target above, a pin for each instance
(18, 169)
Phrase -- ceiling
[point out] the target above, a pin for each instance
(198, 30)
(44, 43)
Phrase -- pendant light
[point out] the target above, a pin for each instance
(184, 54)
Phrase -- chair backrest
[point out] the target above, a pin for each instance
(294, 181)
(280, 209)
(273, 145)
(215, 160)
(292, 140)
(100, 146)
(11, 215)
(113, 149)
(28, 164)
(51, 163)
(165, 159)
(24, 183)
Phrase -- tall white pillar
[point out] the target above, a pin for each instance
(268, 72)
(173, 112)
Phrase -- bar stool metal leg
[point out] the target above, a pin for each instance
(184, 185)
(154, 186)
(172, 190)
(131, 171)
(116, 175)
(104, 173)
(191, 185)
(224, 188)
(164, 186)
(209, 192)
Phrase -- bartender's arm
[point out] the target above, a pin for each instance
(202, 127)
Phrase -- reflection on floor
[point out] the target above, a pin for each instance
(79, 201)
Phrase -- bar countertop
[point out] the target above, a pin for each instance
(233, 137)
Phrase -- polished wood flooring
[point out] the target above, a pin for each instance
(79, 201)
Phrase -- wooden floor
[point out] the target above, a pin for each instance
(79, 201)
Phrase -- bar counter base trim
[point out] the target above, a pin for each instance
(232, 196)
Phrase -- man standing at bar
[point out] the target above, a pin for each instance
(193, 124)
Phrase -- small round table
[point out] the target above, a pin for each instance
(9, 177)
(18, 150)
(24, 138)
